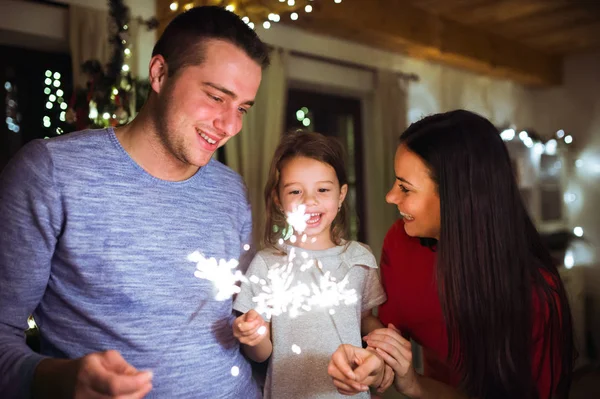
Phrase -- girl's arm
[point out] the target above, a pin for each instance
(261, 351)
(254, 334)
(369, 322)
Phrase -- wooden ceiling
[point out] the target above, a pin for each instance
(553, 26)
(522, 40)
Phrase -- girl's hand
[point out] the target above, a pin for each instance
(250, 328)
(388, 379)
(397, 353)
(354, 369)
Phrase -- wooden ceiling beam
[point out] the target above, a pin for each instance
(400, 26)
(396, 25)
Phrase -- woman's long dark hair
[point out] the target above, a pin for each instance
(492, 267)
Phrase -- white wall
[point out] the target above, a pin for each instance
(33, 25)
(575, 108)
(440, 88)
(45, 27)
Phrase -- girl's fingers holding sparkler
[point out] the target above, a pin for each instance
(388, 379)
(348, 390)
(371, 369)
(340, 369)
(250, 322)
(340, 363)
(253, 316)
(248, 325)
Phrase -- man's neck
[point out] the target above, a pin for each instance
(141, 140)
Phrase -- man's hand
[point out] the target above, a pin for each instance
(97, 375)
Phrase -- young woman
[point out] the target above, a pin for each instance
(479, 291)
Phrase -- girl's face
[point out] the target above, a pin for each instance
(314, 184)
(415, 194)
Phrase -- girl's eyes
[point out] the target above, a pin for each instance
(321, 190)
(404, 190)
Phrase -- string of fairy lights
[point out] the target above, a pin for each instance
(251, 18)
(549, 147)
(55, 102)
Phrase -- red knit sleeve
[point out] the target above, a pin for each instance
(388, 311)
(546, 356)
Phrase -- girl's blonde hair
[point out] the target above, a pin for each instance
(310, 145)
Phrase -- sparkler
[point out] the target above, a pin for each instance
(328, 293)
(281, 293)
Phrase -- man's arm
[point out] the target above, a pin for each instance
(30, 220)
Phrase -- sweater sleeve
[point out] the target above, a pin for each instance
(31, 218)
(247, 251)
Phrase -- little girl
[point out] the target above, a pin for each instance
(308, 291)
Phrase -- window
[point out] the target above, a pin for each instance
(33, 101)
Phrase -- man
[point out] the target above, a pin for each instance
(97, 226)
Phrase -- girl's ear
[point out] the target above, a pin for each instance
(343, 192)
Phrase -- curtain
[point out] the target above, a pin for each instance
(88, 39)
(250, 152)
(389, 117)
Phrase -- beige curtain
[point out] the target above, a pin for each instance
(388, 116)
(88, 39)
(251, 151)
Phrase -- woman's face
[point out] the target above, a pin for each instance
(415, 194)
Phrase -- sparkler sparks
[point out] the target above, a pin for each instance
(283, 294)
(296, 349)
(220, 273)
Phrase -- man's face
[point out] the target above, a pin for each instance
(202, 106)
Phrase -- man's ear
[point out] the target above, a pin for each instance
(158, 72)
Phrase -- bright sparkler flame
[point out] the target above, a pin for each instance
(298, 218)
(220, 273)
(283, 295)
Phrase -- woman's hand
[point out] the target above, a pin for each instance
(354, 369)
(396, 351)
